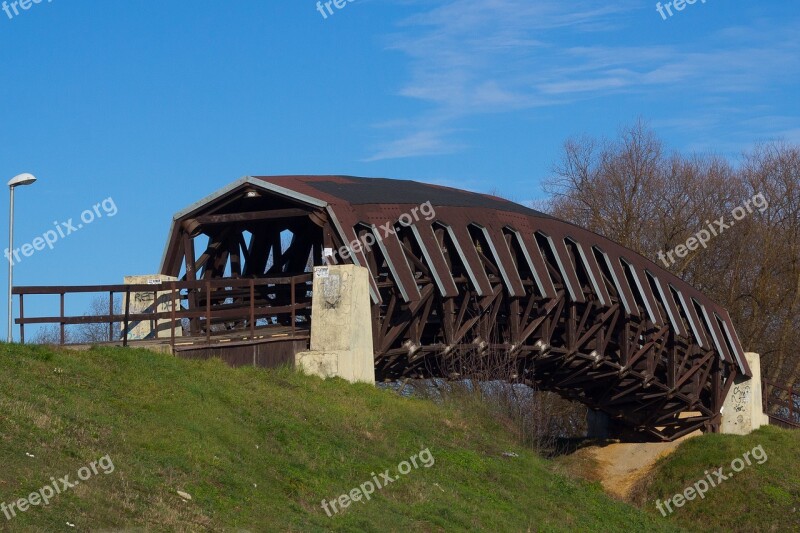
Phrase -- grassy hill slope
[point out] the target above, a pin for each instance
(259, 450)
(763, 496)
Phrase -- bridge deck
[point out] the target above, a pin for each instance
(270, 346)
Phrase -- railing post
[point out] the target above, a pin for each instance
(110, 316)
(154, 321)
(208, 312)
(252, 309)
(21, 319)
(127, 314)
(292, 287)
(172, 318)
(61, 317)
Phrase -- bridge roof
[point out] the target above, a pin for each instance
(363, 191)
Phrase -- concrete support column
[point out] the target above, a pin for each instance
(341, 326)
(155, 301)
(743, 411)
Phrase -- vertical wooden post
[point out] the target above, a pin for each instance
(717, 388)
(515, 319)
(127, 315)
(21, 319)
(328, 242)
(208, 312)
(154, 321)
(110, 316)
(61, 316)
(293, 300)
(172, 317)
(191, 275)
(252, 309)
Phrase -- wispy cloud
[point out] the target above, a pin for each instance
(417, 143)
(471, 57)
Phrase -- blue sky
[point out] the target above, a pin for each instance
(158, 104)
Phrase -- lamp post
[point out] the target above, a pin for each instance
(22, 179)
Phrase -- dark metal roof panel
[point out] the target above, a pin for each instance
(345, 222)
(433, 255)
(536, 263)
(733, 339)
(621, 283)
(505, 262)
(694, 320)
(593, 270)
(716, 333)
(646, 292)
(398, 264)
(468, 254)
(670, 305)
(566, 267)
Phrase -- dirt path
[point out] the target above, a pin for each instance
(621, 465)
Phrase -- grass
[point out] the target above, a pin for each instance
(762, 497)
(258, 450)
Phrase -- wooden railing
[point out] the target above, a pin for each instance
(203, 303)
(781, 403)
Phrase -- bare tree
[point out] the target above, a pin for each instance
(632, 192)
(766, 299)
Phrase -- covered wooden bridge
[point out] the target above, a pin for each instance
(457, 275)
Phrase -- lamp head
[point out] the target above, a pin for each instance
(21, 179)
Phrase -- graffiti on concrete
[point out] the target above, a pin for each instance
(741, 397)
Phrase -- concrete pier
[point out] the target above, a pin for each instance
(341, 326)
(150, 302)
(743, 411)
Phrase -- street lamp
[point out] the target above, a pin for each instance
(22, 179)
